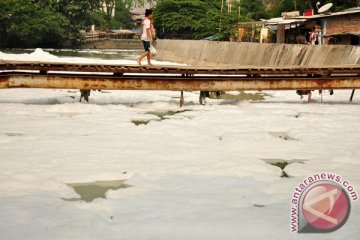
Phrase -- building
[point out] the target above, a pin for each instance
(138, 11)
(336, 28)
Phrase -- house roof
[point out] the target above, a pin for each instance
(302, 19)
(355, 33)
(280, 20)
(330, 14)
(140, 10)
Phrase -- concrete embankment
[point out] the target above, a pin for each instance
(201, 52)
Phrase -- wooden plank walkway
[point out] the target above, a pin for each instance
(177, 69)
(17, 74)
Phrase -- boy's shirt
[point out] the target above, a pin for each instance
(146, 25)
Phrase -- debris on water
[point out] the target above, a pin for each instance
(243, 96)
(283, 135)
(258, 205)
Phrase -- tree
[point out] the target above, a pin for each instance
(28, 24)
(289, 5)
(115, 14)
(194, 19)
(342, 4)
(80, 13)
(254, 9)
(108, 7)
(122, 18)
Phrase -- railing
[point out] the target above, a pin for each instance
(100, 36)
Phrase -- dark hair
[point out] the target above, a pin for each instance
(148, 12)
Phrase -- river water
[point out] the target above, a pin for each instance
(107, 54)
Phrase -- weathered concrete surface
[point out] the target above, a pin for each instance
(202, 52)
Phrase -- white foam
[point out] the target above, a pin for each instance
(39, 55)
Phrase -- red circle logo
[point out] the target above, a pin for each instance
(326, 207)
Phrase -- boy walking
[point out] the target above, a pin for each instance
(147, 36)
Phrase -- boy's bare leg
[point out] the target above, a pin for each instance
(149, 58)
(141, 58)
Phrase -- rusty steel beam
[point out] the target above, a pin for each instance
(174, 83)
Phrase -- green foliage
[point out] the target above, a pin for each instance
(255, 9)
(277, 7)
(25, 23)
(195, 19)
(342, 4)
(122, 19)
(78, 12)
(289, 6)
(51, 23)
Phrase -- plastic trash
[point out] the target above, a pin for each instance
(153, 50)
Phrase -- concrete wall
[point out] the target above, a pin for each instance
(201, 52)
(344, 23)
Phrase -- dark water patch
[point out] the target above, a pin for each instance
(93, 190)
(258, 205)
(70, 114)
(14, 134)
(162, 115)
(165, 114)
(282, 163)
(139, 122)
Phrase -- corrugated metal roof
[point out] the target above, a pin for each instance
(281, 20)
(355, 33)
(301, 19)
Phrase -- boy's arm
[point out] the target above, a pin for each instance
(148, 33)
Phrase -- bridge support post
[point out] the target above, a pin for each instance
(352, 95)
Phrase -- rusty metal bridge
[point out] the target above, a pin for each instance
(175, 78)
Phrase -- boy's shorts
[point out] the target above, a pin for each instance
(146, 46)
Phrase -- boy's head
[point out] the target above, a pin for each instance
(148, 12)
